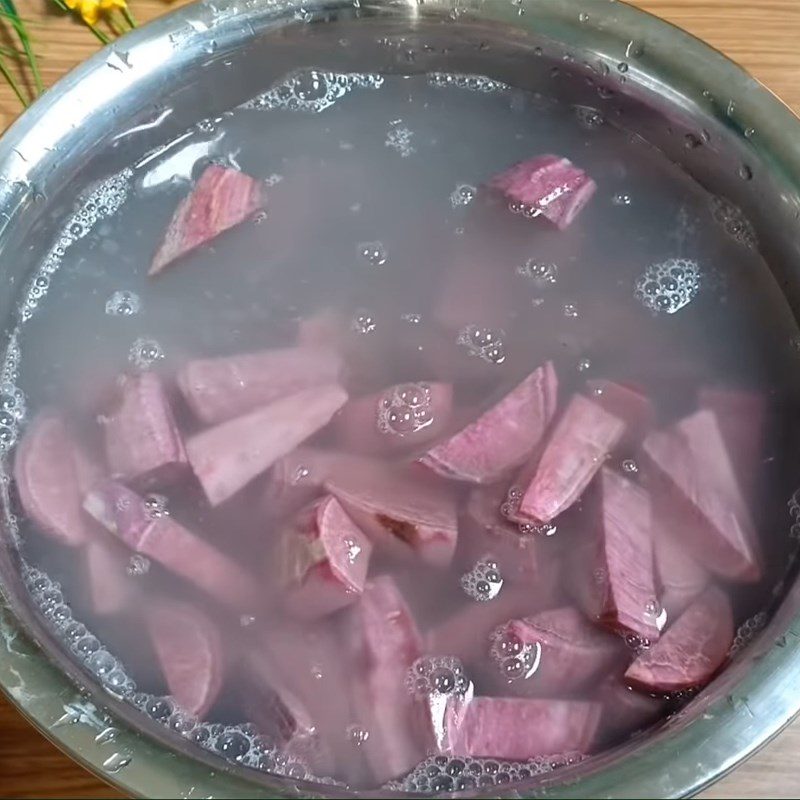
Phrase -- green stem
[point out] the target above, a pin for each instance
(5, 72)
(61, 4)
(129, 18)
(101, 37)
(19, 27)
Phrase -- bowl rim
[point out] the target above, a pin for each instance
(677, 761)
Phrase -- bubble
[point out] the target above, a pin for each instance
(102, 662)
(411, 319)
(431, 676)
(589, 118)
(145, 352)
(357, 735)
(155, 506)
(515, 659)
(483, 582)
(405, 409)
(464, 774)
(485, 343)
(312, 90)
(363, 321)
(541, 273)
(399, 138)
(570, 310)
(462, 195)
(374, 253)
(138, 565)
(158, 708)
(630, 466)
(181, 723)
(584, 364)
(87, 645)
(233, 745)
(652, 287)
(636, 642)
(621, 199)
(731, 218)
(472, 83)
(747, 631)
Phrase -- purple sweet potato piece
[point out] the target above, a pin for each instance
(692, 649)
(546, 185)
(488, 532)
(51, 472)
(324, 560)
(694, 471)
(122, 512)
(401, 417)
(570, 651)
(627, 403)
(582, 439)
(625, 710)
(219, 389)
(680, 577)
(620, 589)
(189, 650)
(502, 437)
(142, 439)
(466, 633)
(402, 513)
(221, 199)
(227, 457)
(297, 478)
(384, 641)
(305, 668)
(106, 573)
(520, 728)
(741, 416)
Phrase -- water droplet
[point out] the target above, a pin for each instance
(405, 409)
(652, 287)
(462, 195)
(622, 67)
(116, 762)
(584, 364)
(412, 319)
(438, 675)
(540, 273)
(145, 352)
(583, 16)
(357, 735)
(749, 133)
(374, 253)
(745, 172)
(363, 322)
(138, 565)
(123, 304)
(106, 735)
(589, 118)
(483, 582)
(621, 199)
(399, 138)
(485, 343)
(630, 466)
(570, 310)
(246, 620)
(155, 506)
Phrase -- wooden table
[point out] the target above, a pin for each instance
(762, 35)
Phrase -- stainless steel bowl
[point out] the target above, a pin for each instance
(206, 58)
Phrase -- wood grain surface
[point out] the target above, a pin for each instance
(762, 35)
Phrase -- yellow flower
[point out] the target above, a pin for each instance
(92, 10)
(88, 9)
